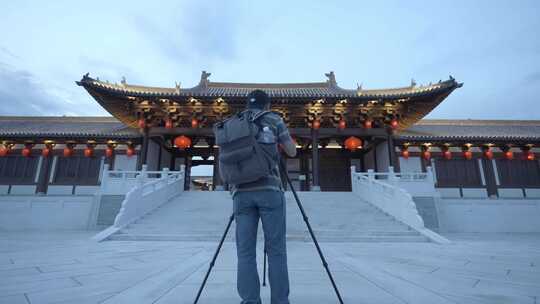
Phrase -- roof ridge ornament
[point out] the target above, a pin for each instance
(331, 79)
(177, 87)
(413, 83)
(123, 81)
(205, 79)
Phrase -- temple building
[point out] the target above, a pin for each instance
(152, 128)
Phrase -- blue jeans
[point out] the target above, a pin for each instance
(269, 206)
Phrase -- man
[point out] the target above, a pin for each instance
(263, 199)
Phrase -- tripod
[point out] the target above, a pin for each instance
(306, 220)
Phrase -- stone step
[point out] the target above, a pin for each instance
(297, 238)
(334, 216)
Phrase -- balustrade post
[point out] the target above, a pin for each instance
(429, 172)
(143, 173)
(353, 176)
(391, 174)
(104, 174)
(165, 174)
(371, 174)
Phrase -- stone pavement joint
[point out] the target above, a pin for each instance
(474, 269)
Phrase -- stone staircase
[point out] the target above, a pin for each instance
(334, 216)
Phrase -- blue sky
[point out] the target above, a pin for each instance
(491, 46)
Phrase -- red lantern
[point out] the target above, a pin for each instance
(352, 143)
(316, 124)
(405, 153)
(4, 151)
(169, 124)
(46, 152)
(89, 152)
(342, 124)
(530, 155)
(109, 152)
(426, 154)
(394, 123)
(488, 154)
(26, 152)
(194, 123)
(141, 123)
(68, 151)
(368, 124)
(467, 154)
(182, 142)
(130, 151)
(447, 154)
(509, 155)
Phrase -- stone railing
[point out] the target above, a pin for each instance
(416, 183)
(118, 182)
(146, 195)
(392, 200)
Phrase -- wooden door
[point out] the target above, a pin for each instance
(334, 174)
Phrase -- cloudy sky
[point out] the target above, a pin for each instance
(491, 46)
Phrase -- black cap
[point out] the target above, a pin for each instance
(257, 99)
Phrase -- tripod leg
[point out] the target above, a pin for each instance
(214, 259)
(306, 220)
(264, 267)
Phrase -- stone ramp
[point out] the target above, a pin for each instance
(334, 216)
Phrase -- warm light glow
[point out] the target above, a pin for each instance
(109, 152)
(394, 123)
(488, 154)
(447, 154)
(530, 155)
(46, 152)
(467, 154)
(141, 123)
(426, 154)
(194, 123)
(182, 142)
(368, 124)
(89, 152)
(169, 124)
(68, 152)
(316, 124)
(342, 124)
(26, 152)
(405, 152)
(4, 151)
(130, 151)
(352, 143)
(509, 155)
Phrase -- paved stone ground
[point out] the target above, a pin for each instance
(69, 268)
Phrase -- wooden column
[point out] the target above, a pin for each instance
(187, 176)
(315, 160)
(391, 151)
(216, 179)
(43, 178)
(144, 150)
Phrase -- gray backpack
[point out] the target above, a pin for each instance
(245, 153)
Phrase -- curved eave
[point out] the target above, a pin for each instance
(419, 139)
(283, 91)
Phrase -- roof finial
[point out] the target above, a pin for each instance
(177, 86)
(359, 86)
(413, 82)
(331, 78)
(204, 78)
(452, 78)
(123, 81)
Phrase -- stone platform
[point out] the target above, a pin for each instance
(69, 268)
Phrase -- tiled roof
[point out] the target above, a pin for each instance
(206, 88)
(65, 127)
(428, 129)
